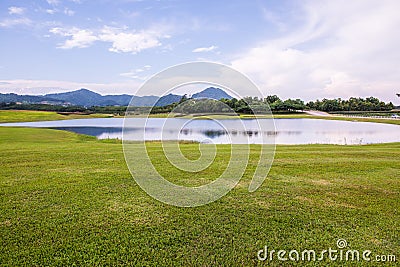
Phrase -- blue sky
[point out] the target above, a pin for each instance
(305, 49)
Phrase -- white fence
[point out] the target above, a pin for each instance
(369, 117)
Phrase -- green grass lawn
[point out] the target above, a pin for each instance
(341, 118)
(31, 115)
(69, 199)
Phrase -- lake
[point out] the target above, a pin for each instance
(235, 131)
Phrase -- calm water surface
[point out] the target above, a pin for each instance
(235, 131)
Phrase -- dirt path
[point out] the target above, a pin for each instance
(317, 113)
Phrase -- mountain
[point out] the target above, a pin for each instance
(168, 99)
(144, 101)
(112, 100)
(6, 98)
(81, 97)
(213, 93)
(86, 98)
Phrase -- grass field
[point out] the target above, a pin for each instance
(69, 199)
(388, 121)
(31, 115)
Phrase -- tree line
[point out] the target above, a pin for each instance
(246, 105)
(327, 105)
(352, 104)
(250, 105)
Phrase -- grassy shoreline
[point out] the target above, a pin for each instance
(69, 199)
(28, 116)
(32, 115)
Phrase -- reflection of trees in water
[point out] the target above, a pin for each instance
(93, 131)
(249, 133)
(214, 133)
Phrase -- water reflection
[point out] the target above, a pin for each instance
(286, 131)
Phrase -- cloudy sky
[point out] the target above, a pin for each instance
(296, 49)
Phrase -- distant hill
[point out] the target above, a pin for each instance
(86, 98)
(168, 99)
(7, 98)
(213, 93)
(81, 97)
(143, 101)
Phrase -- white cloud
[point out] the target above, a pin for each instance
(130, 42)
(273, 18)
(66, 11)
(78, 37)
(51, 11)
(336, 52)
(53, 2)
(204, 49)
(9, 23)
(132, 75)
(16, 10)
(137, 73)
(69, 12)
(122, 40)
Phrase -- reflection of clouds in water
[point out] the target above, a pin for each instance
(347, 131)
(107, 135)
